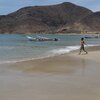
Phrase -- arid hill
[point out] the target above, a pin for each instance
(60, 18)
(92, 22)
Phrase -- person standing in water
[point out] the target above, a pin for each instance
(82, 46)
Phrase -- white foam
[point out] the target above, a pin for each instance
(21, 60)
(15, 60)
(50, 53)
(64, 50)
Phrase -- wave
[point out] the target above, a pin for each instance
(50, 53)
(16, 61)
(67, 49)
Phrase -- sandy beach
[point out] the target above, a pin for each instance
(65, 77)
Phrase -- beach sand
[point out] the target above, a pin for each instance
(65, 77)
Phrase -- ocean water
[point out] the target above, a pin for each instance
(16, 47)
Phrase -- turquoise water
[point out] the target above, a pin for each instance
(16, 47)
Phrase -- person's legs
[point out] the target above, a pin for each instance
(80, 51)
(85, 51)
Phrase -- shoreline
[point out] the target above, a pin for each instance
(70, 59)
(68, 76)
(88, 48)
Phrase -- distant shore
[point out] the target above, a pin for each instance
(66, 33)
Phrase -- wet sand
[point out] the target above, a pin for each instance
(65, 77)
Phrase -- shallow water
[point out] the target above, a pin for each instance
(16, 47)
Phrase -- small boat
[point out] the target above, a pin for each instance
(39, 38)
(31, 38)
(90, 37)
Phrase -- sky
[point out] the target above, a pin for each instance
(9, 6)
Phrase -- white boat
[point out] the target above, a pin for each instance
(39, 38)
(31, 38)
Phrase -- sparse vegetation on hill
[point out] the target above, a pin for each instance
(60, 18)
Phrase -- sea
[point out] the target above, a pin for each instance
(17, 48)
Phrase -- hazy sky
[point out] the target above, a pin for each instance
(8, 6)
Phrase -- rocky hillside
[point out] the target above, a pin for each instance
(60, 18)
(92, 22)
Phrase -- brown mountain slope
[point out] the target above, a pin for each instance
(92, 22)
(42, 18)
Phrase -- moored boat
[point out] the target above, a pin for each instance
(39, 38)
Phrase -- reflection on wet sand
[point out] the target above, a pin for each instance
(67, 77)
(57, 65)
